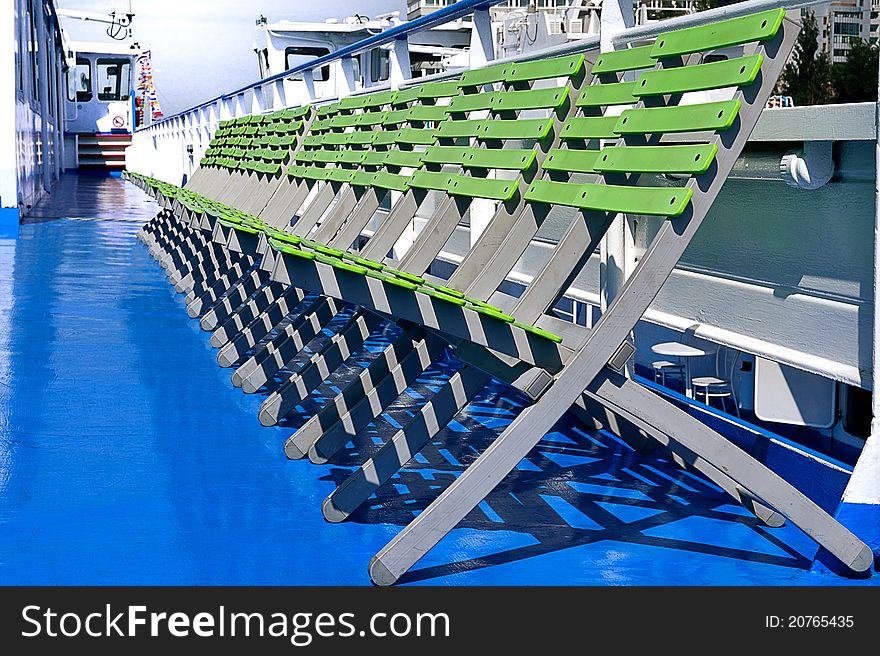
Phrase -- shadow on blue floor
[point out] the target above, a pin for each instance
(127, 457)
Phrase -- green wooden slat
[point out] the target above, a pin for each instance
(446, 154)
(362, 138)
(362, 261)
(459, 129)
(391, 181)
(327, 110)
(472, 102)
(443, 89)
(351, 102)
(720, 34)
(403, 158)
(380, 98)
(335, 138)
(431, 180)
(321, 125)
(502, 190)
(343, 121)
(629, 59)
(540, 332)
(295, 113)
(485, 158)
(435, 293)
(350, 156)
(685, 118)
(362, 178)
(396, 117)
(325, 156)
(546, 68)
(591, 127)
(604, 95)
(531, 99)
(370, 118)
(384, 138)
(657, 201)
(315, 173)
(657, 159)
(510, 159)
(574, 161)
(374, 157)
(479, 76)
(534, 128)
(406, 96)
(416, 136)
(427, 113)
(702, 77)
(340, 175)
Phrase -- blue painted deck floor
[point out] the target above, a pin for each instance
(127, 457)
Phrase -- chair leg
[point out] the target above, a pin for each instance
(321, 366)
(298, 444)
(487, 471)
(432, 418)
(382, 393)
(287, 306)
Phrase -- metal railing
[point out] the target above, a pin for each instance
(171, 148)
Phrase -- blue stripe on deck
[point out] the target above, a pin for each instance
(127, 457)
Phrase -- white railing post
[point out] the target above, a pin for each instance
(617, 247)
(399, 64)
(346, 76)
(482, 49)
(279, 97)
(309, 79)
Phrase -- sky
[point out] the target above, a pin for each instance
(202, 48)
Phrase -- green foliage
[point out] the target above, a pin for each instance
(703, 5)
(807, 75)
(855, 80)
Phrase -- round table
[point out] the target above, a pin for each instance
(685, 351)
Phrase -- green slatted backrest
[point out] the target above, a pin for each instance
(659, 83)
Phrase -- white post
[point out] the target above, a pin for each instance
(617, 15)
(401, 68)
(279, 97)
(482, 49)
(309, 80)
(345, 75)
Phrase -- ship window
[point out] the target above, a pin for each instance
(79, 81)
(299, 55)
(113, 77)
(379, 67)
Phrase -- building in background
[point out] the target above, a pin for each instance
(843, 20)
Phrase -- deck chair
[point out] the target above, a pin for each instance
(496, 341)
(646, 144)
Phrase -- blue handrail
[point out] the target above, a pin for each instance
(447, 14)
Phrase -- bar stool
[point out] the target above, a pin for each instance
(711, 387)
(666, 368)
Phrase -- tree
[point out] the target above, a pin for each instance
(855, 80)
(703, 5)
(807, 75)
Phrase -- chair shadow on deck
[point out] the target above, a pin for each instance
(576, 488)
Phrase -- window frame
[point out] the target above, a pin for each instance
(121, 95)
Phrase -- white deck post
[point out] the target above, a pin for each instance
(482, 49)
(618, 244)
(401, 68)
